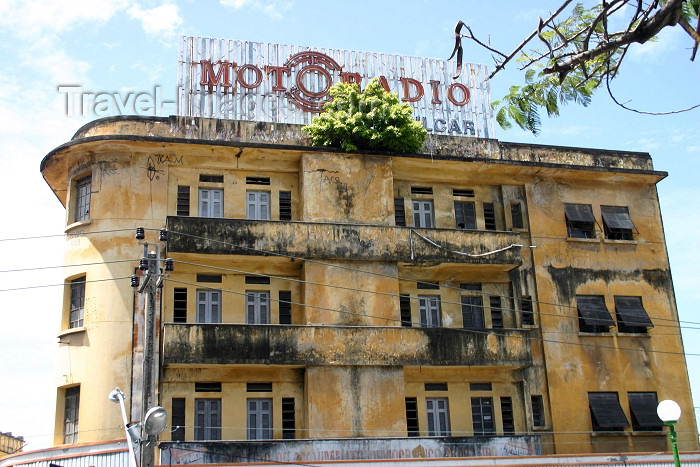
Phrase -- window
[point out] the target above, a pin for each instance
(507, 416)
(183, 201)
(259, 418)
(465, 215)
(285, 307)
(489, 216)
(631, 315)
(399, 212)
(177, 419)
(428, 285)
(207, 426)
(480, 387)
(70, 423)
(412, 416)
(285, 205)
(438, 416)
(423, 214)
(180, 305)
(405, 308)
(257, 307)
(537, 410)
(258, 205)
(496, 312)
(257, 280)
(606, 413)
(472, 312)
(257, 180)
(467, 192)
(528, 317)
(207, 386)
(580, 222)
(516, 215)
(617, 223)
(435, 386)
(211, 203)
(77, 303)
(208, 306)
(258, 387)
(482, 416)
(288, 418)
(211, 178)
(211, 278)
(83, 187)
(421, 190)
(593, 315)
(643, 410)
(429, 308)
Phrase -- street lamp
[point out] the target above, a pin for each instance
(153, 424)
(669, 412)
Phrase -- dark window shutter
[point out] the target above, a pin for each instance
(180, 305)
(405, 307)
(177, 419)
(489, 216)
(288, 418)
(285, 307)
(183, 201)
(412, 416)
(399, 212)
(285, 206)
(507, 416)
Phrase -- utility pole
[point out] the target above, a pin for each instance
(151, 286)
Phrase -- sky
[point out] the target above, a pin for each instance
(128, 47)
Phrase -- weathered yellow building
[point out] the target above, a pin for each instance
(482, 298)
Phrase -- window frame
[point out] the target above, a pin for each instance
(472, 310)
(208, 304)
(438, 417)
(580, 221)
(211, 411)
(617, 223)
(606, 412)
(71, 414)
(463, 214)
(643, 412)
(208, 206)
(430, 311)
(83, 194)
(483, 421)
(260, 308)
(258, 417)
(423, 213)
(256, 208)
(76, 303)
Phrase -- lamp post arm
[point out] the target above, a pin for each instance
(132, 453)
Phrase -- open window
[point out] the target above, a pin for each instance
(617, 223)
(643, 410)
(606, 412)
(593, 314)
(631, 315)
(580, 222)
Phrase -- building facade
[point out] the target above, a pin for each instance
(482, 298)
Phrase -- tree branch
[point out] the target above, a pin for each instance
(668, 15)
(502, 65)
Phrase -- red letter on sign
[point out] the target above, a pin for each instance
(348, 77)
(221, 78)
(435, 86)
(277, 71)
(256, 71)
(407, 92)
(451, 96)
(384, 83)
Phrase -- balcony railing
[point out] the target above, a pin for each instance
(319, 450)
(341, 241)
(206, 344)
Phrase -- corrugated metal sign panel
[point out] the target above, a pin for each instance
(257, 81)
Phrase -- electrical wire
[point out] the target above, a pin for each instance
(415, 298)
(485, 332)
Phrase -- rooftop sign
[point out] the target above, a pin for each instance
(257, 81)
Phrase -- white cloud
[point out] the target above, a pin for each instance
(33, 19)
(164, 19)
(272, 8)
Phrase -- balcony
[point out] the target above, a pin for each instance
(318, 450)
(204, 344)
(341, 241)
